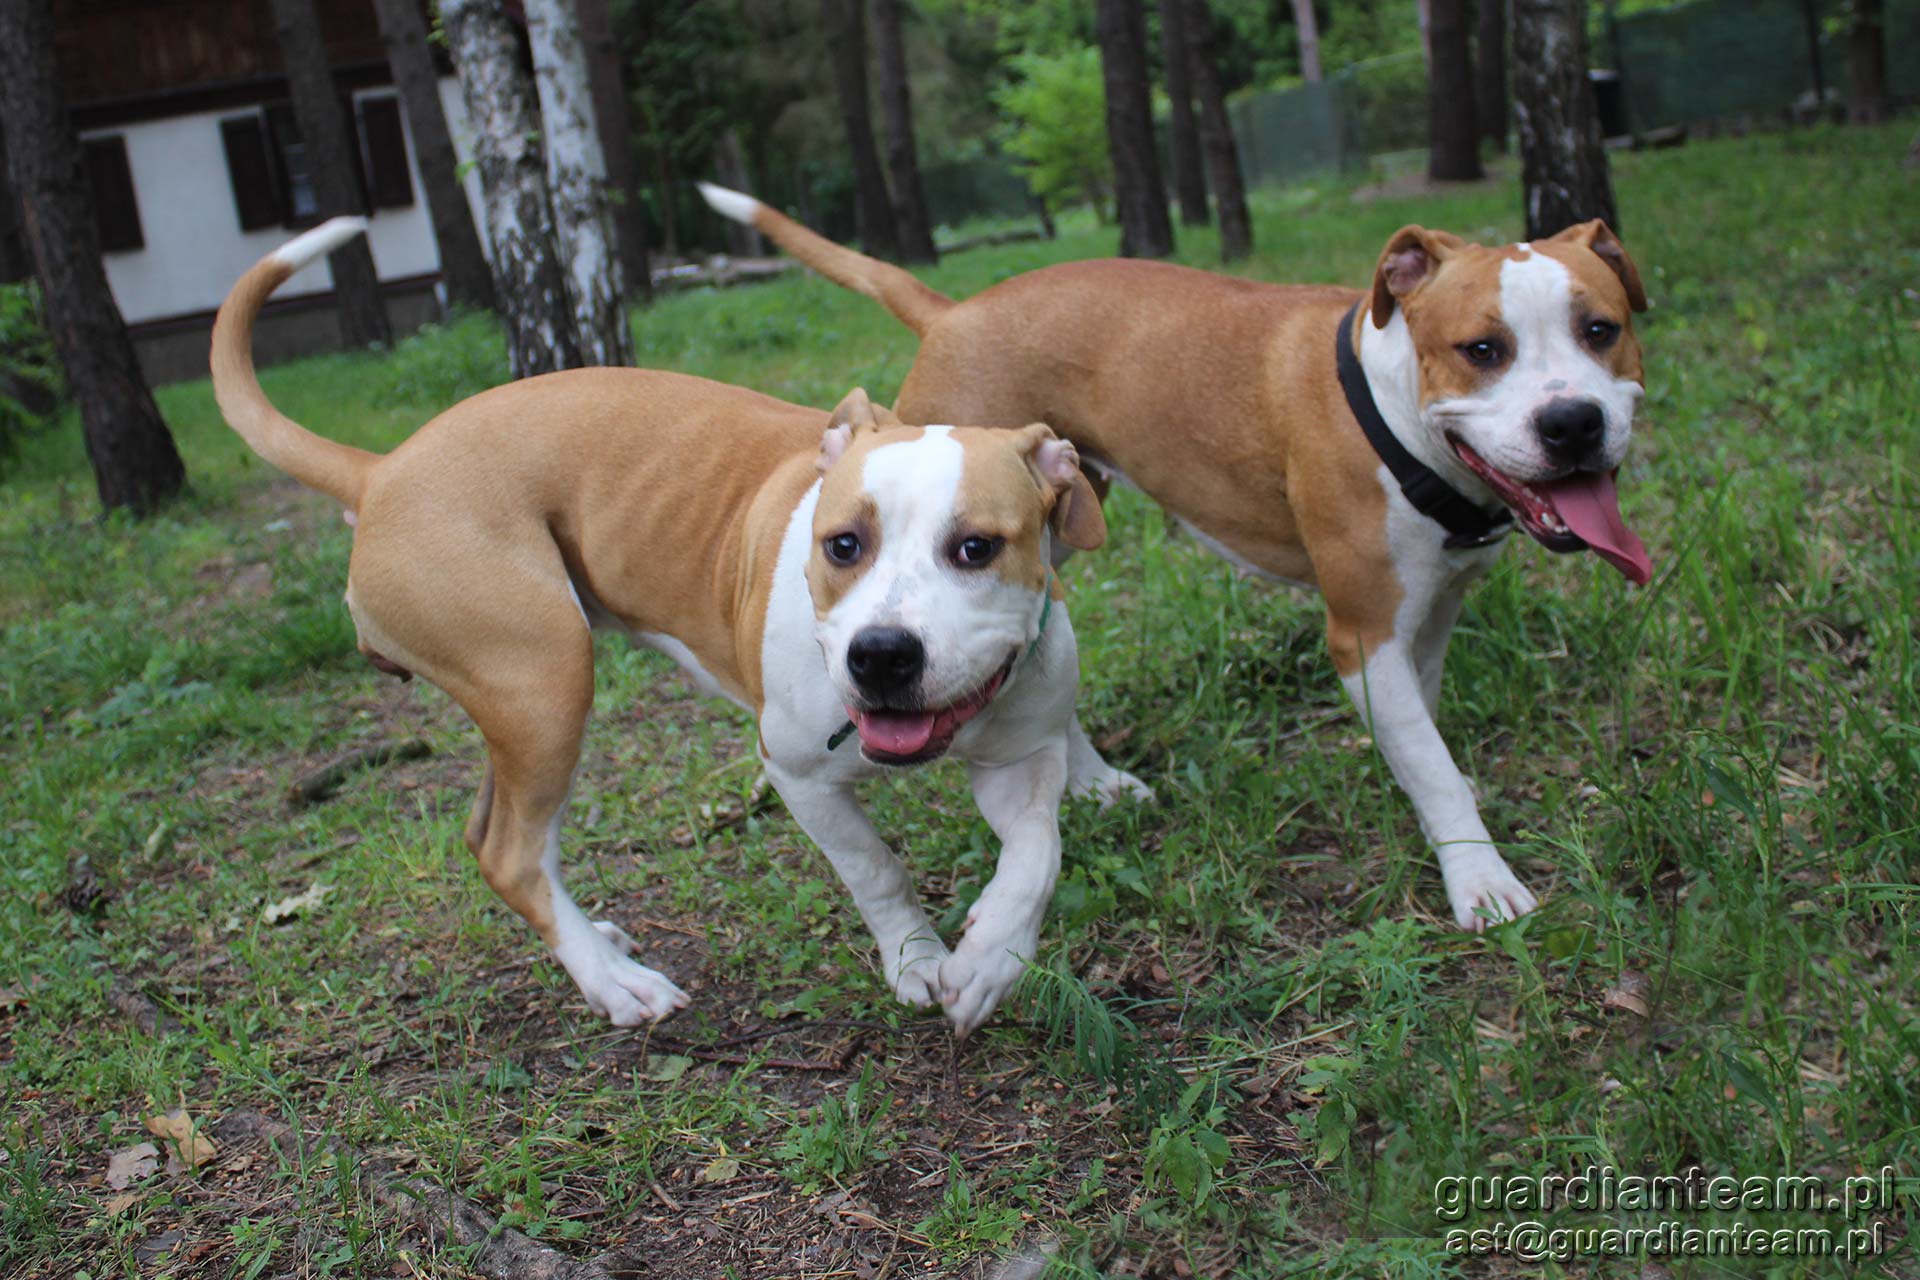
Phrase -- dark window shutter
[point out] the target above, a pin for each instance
(116, 212)
(250, 167)
(384, 139)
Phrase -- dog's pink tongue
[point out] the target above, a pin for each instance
(1591, 508)
(895, 733)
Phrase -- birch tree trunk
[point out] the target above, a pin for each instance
(1140, 195)
(615, 117)
(1453, 153)
(845, 24)
(903, 162)
(1308, 28)
(1216, 137)
(333, 162)
(1490, 71)
(1563, 167)
(134, 462)
(528, 281)
(463, 264)
(1183, 135)
(577, 182)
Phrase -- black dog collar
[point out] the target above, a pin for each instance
(1466, 524)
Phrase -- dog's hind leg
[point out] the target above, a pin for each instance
(533, 726)
(500, 632)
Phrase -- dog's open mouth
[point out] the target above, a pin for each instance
(1576, 512)
(892, 736)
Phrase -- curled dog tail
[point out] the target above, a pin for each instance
(338, 470)
(914, 303)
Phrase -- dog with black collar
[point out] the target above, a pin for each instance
(1376, 444)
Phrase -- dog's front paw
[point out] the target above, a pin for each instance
(1107, 785)
(913, 967)
(1484, 892)
(630, 994)
(979, 975)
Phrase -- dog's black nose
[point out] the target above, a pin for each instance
(1571, 430)
(885, 661)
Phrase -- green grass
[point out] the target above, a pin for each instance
(1255, 1044)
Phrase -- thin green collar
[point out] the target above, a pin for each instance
(845, 731)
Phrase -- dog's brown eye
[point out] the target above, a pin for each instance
(1484, 352)
(842, 548)
(975, 551)
(1601, 333)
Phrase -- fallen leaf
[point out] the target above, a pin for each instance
(117, 1205)
(124, 1168)
(288, 908)
(666, 1067)
(725, 1169)
(1629, 993)
(11, 996)
(187, 1147)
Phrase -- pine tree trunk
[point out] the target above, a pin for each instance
(1490, 72)
(845, 24)
(1307, 27)
(1563, 167)
(615, 117)
(528, 280)
(15, 265)
(1867, 62)
(903, 162)
(1139, 193)
(1454, 142)
(577, 183)
(463, 263)
(730, 165)
(134, 462)
(1183, 135)
(333, 158)
(1216, 136)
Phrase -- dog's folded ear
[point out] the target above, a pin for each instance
(1598, 236)
(1076, 517)
(852, 414)
(1405, 264)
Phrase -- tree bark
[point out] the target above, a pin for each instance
(1453, 141)
(845, 24)
(134, 462)
(1867, 62)
(577, 183)
(615, 118)
(528, 280)
(1183, 134)
(1563, 167)
(333, 162)
(1140, 195)
(463, 263)
(1216, 136)
(903, 161)
(1307, 28)
(1810, 14)
(1490, 72)
(730, 163)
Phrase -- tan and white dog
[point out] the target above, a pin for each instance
(819, 570)
(1368, 443)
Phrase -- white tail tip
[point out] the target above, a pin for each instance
(320, 241)
(737, 205)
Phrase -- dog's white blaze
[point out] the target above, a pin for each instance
(970, 623)
(1549, 361)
